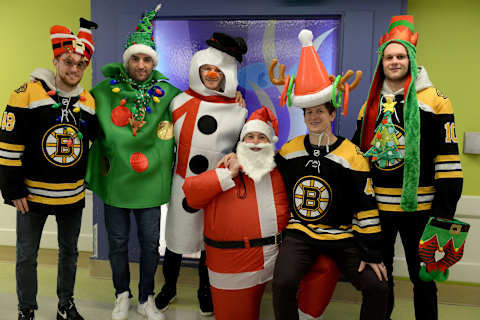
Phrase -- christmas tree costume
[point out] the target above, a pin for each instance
(446, 236)
(130, 162)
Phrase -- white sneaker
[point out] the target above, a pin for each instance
(120, 311)
(149, 311)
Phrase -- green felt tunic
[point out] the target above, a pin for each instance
(111, 170)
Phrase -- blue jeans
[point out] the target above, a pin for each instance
(117, 222)
(29, 233)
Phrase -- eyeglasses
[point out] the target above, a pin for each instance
(70, 64)
(208, 69)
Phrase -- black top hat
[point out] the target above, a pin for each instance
(235, 47)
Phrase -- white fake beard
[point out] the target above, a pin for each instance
(256, 164)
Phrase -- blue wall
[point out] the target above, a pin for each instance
(362, 24)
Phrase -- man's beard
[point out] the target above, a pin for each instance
(256, 164)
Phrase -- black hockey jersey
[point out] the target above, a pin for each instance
(42, 152)
(331, 195)
(441, 178)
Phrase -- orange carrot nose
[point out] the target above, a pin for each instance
(212, 74)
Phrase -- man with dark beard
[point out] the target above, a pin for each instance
(246, 208)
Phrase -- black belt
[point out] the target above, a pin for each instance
(449, 225)
(68, 43)
(247, 243)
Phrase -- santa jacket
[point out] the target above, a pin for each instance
(239, 210)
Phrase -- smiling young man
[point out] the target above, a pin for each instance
(407, 128)
(44, 141)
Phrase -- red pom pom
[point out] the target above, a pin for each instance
(120, 116)
(52, 93)
(134, 42)
(379, 135)
(139, 162)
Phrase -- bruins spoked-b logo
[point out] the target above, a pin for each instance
(62, 146)
(312, 198)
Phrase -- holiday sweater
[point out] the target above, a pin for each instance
(128, 168)
(44, 143)
(331, 196)
(441, 178)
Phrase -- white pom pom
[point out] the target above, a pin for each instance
(306, 37)
(275, 139)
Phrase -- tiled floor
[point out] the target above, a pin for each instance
(94, 299)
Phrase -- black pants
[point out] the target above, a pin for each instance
(171, 268)
(295, 259)
(410, 226)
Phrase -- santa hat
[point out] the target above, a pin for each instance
(141, 41)
(262, 120)
(401, 30)
(312, 86)
(63, 40)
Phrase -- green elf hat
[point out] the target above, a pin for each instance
(141, 41)
(446, 236)
(401, 30)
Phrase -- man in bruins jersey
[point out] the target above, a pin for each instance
(46, 128)
(333, 212)
(407, 129)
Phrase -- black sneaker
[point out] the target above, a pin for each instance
(68, 312)
(205, 299)
(165, 297)
(26, 314)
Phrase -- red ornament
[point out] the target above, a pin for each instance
(138, 162)
(120, 116)
(379, 135)
(82, 98)
(374, 158)
(122, 102)
(384, 121)
(52, 93)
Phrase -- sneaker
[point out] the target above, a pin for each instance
(164, 298)
(26, 314)
(68, 312)
(122, 304)
(205, 299)
(149, 311)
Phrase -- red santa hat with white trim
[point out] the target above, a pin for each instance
(312, 85)
(262, 120)
(63, 40)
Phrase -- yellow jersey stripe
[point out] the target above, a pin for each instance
(58, 201)
(11, 163)
(54, 186)
(398, 191)
(448, 174)
(323, 236)
(447, 158)
(367, 214)
(12, 147)
(367, 230)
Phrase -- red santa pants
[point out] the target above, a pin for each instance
(241, 304)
